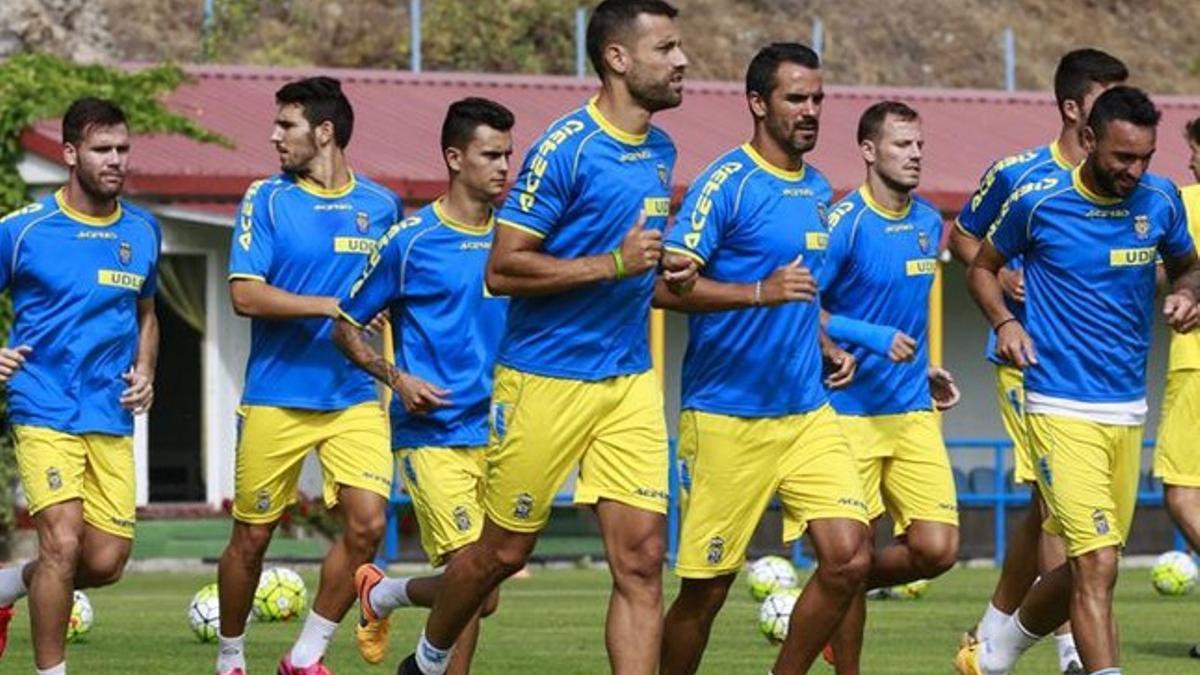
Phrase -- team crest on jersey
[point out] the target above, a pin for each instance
(664, 176)
(125, 253)
(716, 550)
(1100, 521)
(462, 519)
(263, 503)
(523, 507)
(54, 478)
(923, 241)
(1141, 225)
(362, 221)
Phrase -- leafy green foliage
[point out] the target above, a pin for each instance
(39, 86)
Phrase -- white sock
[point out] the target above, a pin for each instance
(12, 584)
(1001, 651)
(432, 660)
(389, 594)
(992, 620)
(60, 669)
(313, 640)
(231, 653)
(1067, 653)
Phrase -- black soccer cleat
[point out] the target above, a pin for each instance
(1194, 652)
(409, 666)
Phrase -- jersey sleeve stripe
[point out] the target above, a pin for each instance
(354, 322)
(961, 228)
(241, 275)
(683, 251)
(523, 228)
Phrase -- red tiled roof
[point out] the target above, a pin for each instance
(399, 114)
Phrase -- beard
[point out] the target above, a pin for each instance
(653, 95)
(96, 188)
(1109, 185)
(785, 134)
(298, 157)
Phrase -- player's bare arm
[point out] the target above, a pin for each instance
(139, 395)
(1180, 306)
(790, 283)
(11, 360)
(417, 395)
(1012, 342)
(518, 266)
(256, 299)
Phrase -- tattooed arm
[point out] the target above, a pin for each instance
(417, 395)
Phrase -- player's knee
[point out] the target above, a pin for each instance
(640, 564)
(365, 531)
(704, 596)
(250, 542)
(60, 550)
(933, 558)
(1096, 570)
(490, 604)
(847, 568)
(508, 558)
(1181, 502)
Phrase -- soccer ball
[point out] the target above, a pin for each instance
(775, 613)
(204, 613)
(1173, 573)
(770, 574)
(281, 595)
(81, 618)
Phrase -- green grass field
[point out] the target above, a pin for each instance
(552, 623)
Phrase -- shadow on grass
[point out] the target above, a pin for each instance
(1165, 649)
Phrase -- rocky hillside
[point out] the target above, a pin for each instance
(944, 43)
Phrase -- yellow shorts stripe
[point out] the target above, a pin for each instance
(731, 467)
(96, 468)
(543, 427)
(352, 446)
(446, 486)
(1088, 475)
(1177, 455)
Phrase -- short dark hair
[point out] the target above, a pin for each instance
(872, 119)
(465, 116)
(1127, 104)
(760, 76)
(613, 18)
(321, 100)
(1192, 131)
(1078, 70)
(87, 112)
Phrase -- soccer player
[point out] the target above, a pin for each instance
(1089, 238)
(579, 238)
(81, 266)
(875, 283)
(301, 240)
(756, 419)
(428, 273)
(1080, 77)
(1176, 462)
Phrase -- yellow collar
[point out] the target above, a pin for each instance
(611, 129)
(1058, 157)
(875, 206)
(458, 226)
(60, 198)
(317, 191)
(771, 168)
(1077, 183)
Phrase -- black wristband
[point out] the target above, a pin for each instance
(996, 328)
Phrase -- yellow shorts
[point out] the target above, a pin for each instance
(1010, 397)
(1177, 456)
(1088, 474)
(352, 445)
(96, 468)
(904, 467)
(542, 427)
(446, 486)
(733, 465)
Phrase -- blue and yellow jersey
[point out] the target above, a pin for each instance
(1185, 349)
(303, 239)
(880, 268)
(75, 282)
(428, 271)
(1089, 280)
(742, 219)
(582, 186)
(997, 183)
